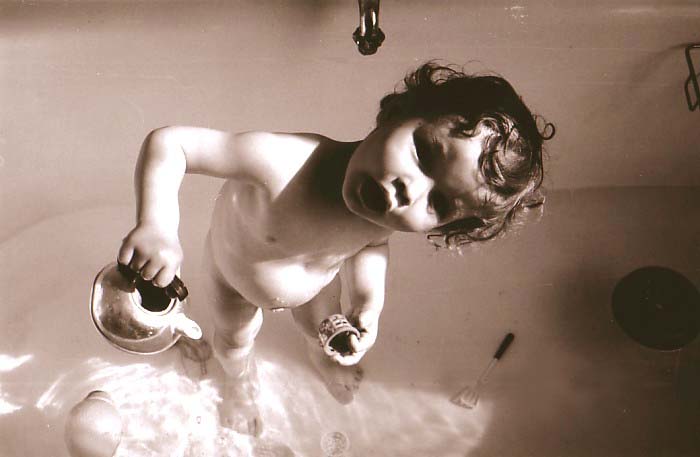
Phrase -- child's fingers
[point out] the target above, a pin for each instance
(363, 343)
(126, 252)
(138, 262)
(337, 358)
(347, 360)
(164, 277)
(150, 270)
(355, 344)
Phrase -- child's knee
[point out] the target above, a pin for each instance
(238, 325)
(226, 343)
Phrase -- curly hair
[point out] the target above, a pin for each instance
(511, 162)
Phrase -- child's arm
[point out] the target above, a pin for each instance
(366, 280)
(153, 247)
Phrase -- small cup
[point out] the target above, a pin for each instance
(334, 335)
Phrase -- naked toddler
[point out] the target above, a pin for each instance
(453, 156)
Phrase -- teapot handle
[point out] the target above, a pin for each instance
(186, 326)
(176, 289)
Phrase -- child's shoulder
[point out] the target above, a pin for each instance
(275, 156)
(279, 147)
(280, 142)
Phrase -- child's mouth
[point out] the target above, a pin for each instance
(373, 196)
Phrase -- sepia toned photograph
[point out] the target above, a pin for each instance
(349, 228)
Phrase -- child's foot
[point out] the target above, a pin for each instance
(238, 409)
(341, 381)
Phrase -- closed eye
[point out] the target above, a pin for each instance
(425, 155)
(439, 204)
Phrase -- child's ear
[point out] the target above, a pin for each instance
(533, 199)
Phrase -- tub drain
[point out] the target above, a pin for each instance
(334, 444)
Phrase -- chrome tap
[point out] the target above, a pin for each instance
(368, 36)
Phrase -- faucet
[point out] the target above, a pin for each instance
(368, 36)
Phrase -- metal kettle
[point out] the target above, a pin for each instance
(135, 315)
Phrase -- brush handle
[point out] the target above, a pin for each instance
(504, 345)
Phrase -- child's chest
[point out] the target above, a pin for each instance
(279, 250)
(292, 224)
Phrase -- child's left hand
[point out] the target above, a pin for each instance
(368, 325)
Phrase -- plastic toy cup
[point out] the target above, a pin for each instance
(334, 335)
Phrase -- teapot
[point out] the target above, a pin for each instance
(135, 315)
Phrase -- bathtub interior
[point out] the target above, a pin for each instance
(571, 384)
(87, 81)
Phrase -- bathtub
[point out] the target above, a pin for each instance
(86, 81)
(571, 384)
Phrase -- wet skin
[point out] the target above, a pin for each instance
(294, 209)
(415, 176)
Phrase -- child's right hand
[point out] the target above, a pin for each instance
(153, 252)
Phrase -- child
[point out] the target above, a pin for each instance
(453, 156)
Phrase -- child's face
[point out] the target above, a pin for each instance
(413, 176)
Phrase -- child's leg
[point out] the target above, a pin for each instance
(340, 381)
(236, 324)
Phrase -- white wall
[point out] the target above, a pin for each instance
(82, 83)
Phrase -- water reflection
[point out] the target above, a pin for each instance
(164, 411)
(399, 410)
(168, 410)
(9, 363)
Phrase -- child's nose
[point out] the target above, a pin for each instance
(407, 193)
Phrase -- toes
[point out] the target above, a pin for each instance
(244, 423)
(255, 427)
(238, 410)
(237, 424)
